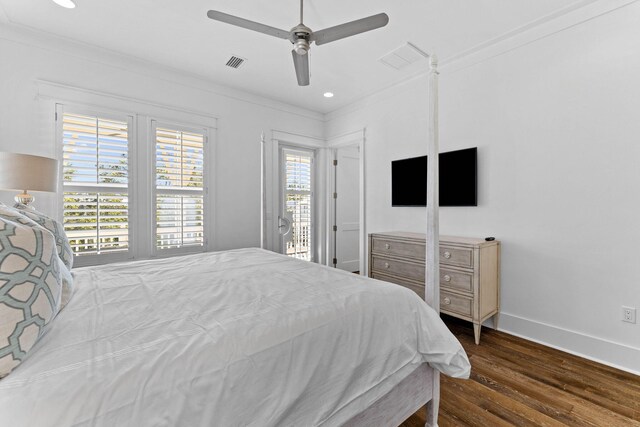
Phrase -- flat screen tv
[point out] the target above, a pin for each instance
(458, 179)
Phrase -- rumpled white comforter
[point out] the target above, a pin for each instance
(236, 338)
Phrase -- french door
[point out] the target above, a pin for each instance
(295, 218)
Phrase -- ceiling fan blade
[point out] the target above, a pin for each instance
(249, 25)
(350, 29)
(301, 62)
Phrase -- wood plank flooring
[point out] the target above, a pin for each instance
(515, 382)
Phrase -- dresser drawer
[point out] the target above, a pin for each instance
(455, 304)
(456, 280)
(407, 269)
(460, 257)
(399, 249)
(415, 287)
(469, 276)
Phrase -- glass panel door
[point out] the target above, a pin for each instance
(295, 221)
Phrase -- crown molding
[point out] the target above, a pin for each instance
(25, 35)
(564, 19)
(377, 97)
(571, 16)
(4, 18)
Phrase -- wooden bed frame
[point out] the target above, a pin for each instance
(401, 402)
(422, 386)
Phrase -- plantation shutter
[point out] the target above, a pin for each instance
(179, 188)
(298, 197)
(96, 183)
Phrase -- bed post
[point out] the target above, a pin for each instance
(263, 193)
(432, 279)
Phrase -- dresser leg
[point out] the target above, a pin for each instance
(496, 317)
(476, 332)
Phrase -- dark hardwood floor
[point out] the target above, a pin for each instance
(515, 382)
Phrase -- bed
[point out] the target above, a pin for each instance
(237, 338)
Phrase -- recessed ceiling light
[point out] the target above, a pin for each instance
(328, 94)
(69, 4)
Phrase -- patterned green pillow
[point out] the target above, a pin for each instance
(62, 243)
(55, 227)
(30, 286)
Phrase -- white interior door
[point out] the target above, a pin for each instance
(296, 219)
(347, 208)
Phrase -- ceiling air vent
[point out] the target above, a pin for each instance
(403, 57)
(235, 62)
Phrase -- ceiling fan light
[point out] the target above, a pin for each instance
(301, 46)
(328, 94)
(69, 4)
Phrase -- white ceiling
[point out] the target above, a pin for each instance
(178, 34)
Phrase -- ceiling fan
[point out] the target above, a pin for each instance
(302, 36)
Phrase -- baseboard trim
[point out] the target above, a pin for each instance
(599, 350)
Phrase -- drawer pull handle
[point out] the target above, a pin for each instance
(447, 255)
(447, 300)
(447, 278)
(387, 246)
(386, 265)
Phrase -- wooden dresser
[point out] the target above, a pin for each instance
(469, 272)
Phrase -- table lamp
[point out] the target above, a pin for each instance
(25, 172)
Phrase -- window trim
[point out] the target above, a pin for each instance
(132, 135)
(207, 205)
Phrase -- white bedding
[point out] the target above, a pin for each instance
(236, 338)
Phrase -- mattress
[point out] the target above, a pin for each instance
(236, 338)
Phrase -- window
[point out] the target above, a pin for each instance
(130, 186)
(298, 202)
(95, 181)
(180, 190)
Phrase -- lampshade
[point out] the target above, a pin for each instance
(26, 172)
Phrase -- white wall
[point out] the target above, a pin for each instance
(555, 121)
(26, 126)
(556, 124)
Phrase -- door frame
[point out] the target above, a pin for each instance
(356, 138)
(279, 140)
